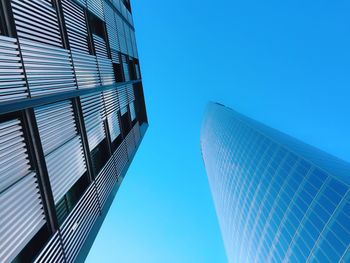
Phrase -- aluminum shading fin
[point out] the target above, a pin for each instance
(78, 224)
(121, 34)
(123, 97)
(76, 26)
(59, 137)
(132, 111)
(109, 13)
(56, 125)
(131, 94)
(120, 157)
(133, 42)
(137, 133)
(22, 216)
(49, 69)
(14, 162)
(112, 30)
(106, 180)
(52, 252)
(128, 40)
(86, 70)
(12, 82)
(114, 126)
(125, 68)
(96, 7)
(94, 114)
(37, 21)
(105, 65)
(115, 56)
(130, 143)
(110, 98)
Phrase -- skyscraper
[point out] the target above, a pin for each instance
(72, 114)
(277, 199)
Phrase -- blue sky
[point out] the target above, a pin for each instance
(285, 63)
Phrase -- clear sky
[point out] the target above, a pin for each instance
(285, 63)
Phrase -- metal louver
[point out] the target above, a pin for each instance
(125, 68)
(130, 143)
(106, 180)
(105, 65)
(22, 213)
(48, 66)
(112, 30)
(113, 124)
(49, 69)
(52, 252)
(86, 70)
(137, 133)
(123, 99)
(12, 82)
(133, 42)
(76, 26)
(121, 34)
(128, 40)
(132, 111)
(37, 21)
(77, 226)
(95, 6)
(115, 56)
(59, 138)
(120, 157)
(93, 112)
(131, 95)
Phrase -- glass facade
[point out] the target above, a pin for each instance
(72, 114)
(277, 199)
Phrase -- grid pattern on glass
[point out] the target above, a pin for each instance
(272, 204)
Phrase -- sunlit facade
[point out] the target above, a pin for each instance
(277, 199)
(72, 114)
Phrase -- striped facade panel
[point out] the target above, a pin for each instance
(49, 69)
(125, 68)
(59, 137)
(22, 213)
(123, 99)
(96, 7)
(104, 62)
(37, 21)
(94, 114)
(131, 94)
(114, 126)
(106, 180)
(110, 98)
(78, 224)
(129, 45)
(130, 143)
(134, 45)
(115, 56)
(52, 252)
(76, 26)
(120, 157)
(86, 70)
(12, 82)
(137, 133)
(121, 34)
(109, 13)
(132, 111)
(48, 66)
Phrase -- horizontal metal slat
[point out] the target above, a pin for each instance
(24, 223)
(52, 252)
(12, 82)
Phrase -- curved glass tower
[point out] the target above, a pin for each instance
(277, 199)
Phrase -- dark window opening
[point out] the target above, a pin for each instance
(125, 123)
(132, 70)
(140, 107)
(118, 72)
(71, 198)
(117, 142)
(33, 248)
(100, 156)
